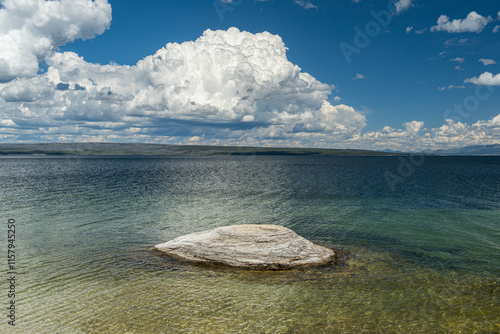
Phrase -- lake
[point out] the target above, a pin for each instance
(419, 239)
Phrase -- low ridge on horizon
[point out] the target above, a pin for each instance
(474, 150)
(93, 148)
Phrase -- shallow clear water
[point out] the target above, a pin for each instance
(423, 257)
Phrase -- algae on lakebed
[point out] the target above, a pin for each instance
(372, 292)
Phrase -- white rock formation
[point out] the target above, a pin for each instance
(249, 246)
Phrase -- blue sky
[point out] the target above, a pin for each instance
(408, 75)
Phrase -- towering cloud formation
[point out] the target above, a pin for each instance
(224, 84)
(226, 75)
(31, 29)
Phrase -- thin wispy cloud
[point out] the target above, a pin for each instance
(487, 62)
(451, 87)
(456, 42)
(305, 4)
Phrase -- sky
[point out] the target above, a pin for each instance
(405, 75)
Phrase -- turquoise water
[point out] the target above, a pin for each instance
(421, 257)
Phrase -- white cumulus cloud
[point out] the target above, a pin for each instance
(474, 22)
(486, 79)
(31, 29)
(226, 84)
(403, 5)
(415, 137)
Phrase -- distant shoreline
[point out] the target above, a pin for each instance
(141, 149)
(124, 149)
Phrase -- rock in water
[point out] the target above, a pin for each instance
(249, 246)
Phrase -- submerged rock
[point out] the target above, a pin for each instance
(249, 246)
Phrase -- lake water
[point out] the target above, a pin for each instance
(421, 255)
